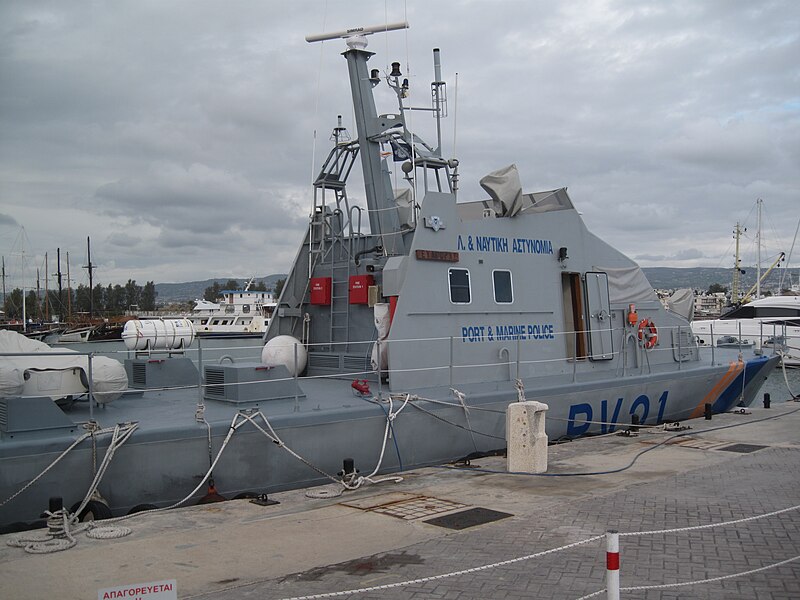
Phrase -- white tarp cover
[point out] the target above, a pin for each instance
(627, 285)
(108, 375)
(504, 187)
(681, 302)
(382, 324)
(405, 204)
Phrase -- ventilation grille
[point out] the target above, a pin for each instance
(355, 364)
(215, 382)
(3, 415)
(139, 374)
(323, 361)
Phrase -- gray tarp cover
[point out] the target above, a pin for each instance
(627, 285)
(108, 375)
(504, 187)
(681, 302)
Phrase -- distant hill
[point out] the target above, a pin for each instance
(697, 278)
(700, 278)
(192, 290)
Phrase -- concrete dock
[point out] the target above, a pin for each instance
(441, 532)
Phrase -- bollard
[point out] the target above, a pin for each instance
(612, 564)
(708, 412)
(348, 466)
(526, 438)
(634, 423)
(766, 399)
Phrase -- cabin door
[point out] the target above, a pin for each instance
(598, 309)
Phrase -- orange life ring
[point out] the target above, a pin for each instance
(648, 334)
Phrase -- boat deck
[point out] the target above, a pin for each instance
(733, 467)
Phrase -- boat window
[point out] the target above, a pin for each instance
(229, 309)
(503, 290)
(459, 286)
(245, 308)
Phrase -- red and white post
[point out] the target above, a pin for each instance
(612, 564)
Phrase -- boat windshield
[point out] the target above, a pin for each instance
(760, 312)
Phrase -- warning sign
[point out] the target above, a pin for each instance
(155, 590)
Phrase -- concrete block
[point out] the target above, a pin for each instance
(525, 437)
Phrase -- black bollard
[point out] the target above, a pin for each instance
(708, 412)
(634, 423)
(56, 503)
(348, 466)
(766, 399)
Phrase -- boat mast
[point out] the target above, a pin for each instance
(38, 295)
(69, 290)
(60, 291)
(4, 283)
(24, 314)
(737, 267)
(383, 216)
(46, 288)
(91, 269)
(758, 251)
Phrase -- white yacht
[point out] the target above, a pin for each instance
(239, 313)
(771, 323)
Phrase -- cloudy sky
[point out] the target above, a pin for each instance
(182, 136)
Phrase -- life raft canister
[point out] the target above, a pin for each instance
(648, 334)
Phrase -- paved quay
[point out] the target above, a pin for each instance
(743, 466)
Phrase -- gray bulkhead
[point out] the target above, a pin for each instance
(489, 341)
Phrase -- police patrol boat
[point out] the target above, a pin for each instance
(404, 330)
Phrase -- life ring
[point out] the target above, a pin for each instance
(648, 334)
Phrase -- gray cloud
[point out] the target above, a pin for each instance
(182, 141)
(8, 220)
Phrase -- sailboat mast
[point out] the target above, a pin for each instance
(91, 269)
(46, 289)
(60, 289)
(24, 314)
(737, 266)
(4, 282)
(758, 251)
(38, 295)
(69, 290)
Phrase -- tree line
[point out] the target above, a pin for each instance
(101, 301)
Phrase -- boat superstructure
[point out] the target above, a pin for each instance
(768, 323)
(404, 330)
(243, 312)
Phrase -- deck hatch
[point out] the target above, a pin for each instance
(468, 518)
(405, 506)
(742, 448)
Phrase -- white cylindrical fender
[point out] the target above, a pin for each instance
(158, 334)
(280, 350)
